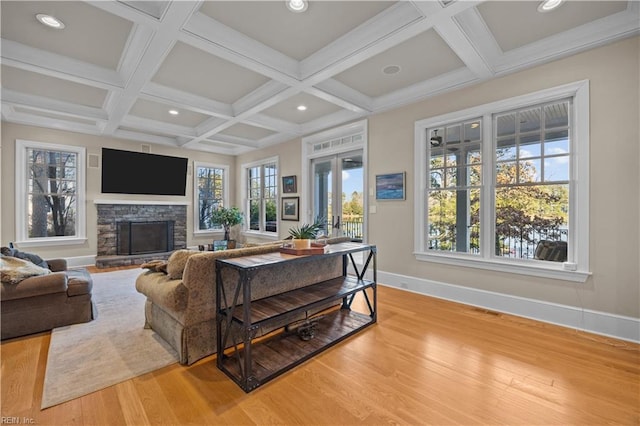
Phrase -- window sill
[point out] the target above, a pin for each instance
(553, 270)
(261, 234)
(46, 242)
(208, 232)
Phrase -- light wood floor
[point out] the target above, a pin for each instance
(426, 361)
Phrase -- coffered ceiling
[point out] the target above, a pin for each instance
(236, 71)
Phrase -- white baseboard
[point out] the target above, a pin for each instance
(80, 261)
(602, 323)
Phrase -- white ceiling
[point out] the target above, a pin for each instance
(237, 70)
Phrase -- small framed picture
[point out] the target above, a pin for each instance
(290, 208)
(219, 245)
(289, 185)
(390, 186)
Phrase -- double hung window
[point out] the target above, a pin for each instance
(50, 193)
(262, 196)
(504, 186)
(211, 193)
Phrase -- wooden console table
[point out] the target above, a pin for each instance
(251, 362)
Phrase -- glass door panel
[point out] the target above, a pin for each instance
(338, 193)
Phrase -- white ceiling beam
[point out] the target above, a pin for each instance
(47, 122)
(184, 100)
(53, 65)
(162, 41)
(385, 30)
(127, 12)
(145, 137)
(477, 33)
(452, 80)
(235, 140)
(333, 91)
(260, 96)
(587, 36)
(218, 39)
(136, 44)
(271, 123)
(334, 119)
(287, 93)
(53, 106)
(154, 126)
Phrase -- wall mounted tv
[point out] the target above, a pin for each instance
(128, 172)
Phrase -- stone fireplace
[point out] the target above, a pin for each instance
(134, 233)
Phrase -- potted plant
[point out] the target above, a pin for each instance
(227, 217)
(303, 234)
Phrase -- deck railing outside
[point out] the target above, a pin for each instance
(518, 245)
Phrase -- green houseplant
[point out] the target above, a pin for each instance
(227, 217)
(303, 234)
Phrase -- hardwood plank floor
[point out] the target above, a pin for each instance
(426, 361)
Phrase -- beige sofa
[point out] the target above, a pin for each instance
(181, 303)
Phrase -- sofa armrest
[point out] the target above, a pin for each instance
(55, 282)
(57, 265)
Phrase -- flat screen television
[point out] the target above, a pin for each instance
(128, 172)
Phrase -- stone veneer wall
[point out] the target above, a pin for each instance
(110, 214)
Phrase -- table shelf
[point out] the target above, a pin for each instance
(312, 321)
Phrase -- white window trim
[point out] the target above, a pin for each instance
(578, 269)
(22, 177)
(352, 129)
(245, 198)
(225, 196)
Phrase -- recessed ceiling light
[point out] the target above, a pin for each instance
(50, 21)
(174, 112)
(297, 6)
(549, 5)
(301, 107)
(391, 69)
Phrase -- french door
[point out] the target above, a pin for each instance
(338, 193)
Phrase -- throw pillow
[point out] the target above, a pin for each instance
(177, 261)
(155, 266)
(14, 270)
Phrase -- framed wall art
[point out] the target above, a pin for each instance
(289, 185)
(390, 186)
(290, 208)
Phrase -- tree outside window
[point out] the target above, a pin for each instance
(531, 190)
(532, 178)
(262, 200)
(210, 191)
(51, 193)
(50, 196)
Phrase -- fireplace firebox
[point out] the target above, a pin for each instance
(145, 237)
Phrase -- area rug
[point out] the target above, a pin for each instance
(114, 347)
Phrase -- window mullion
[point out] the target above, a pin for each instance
(487, 217)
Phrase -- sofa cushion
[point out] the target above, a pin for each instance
(162, 290)
(79, 282)
(15, 270)
(55, 282)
